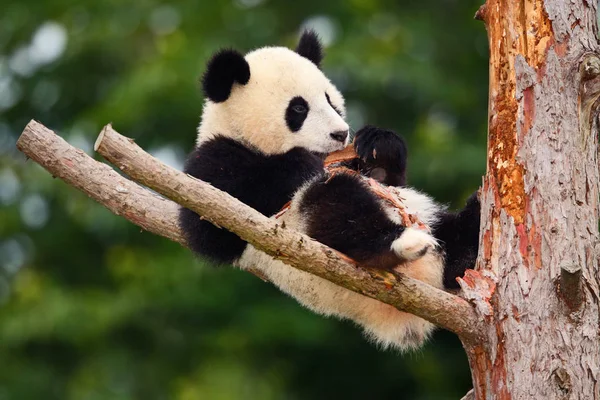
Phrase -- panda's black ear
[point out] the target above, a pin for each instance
(224, 69)
(310, 47)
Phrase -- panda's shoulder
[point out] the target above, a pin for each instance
(225, 150)
(223, 146)
(218, 155)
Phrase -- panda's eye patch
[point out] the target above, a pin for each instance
(300, 109)
(296, 113)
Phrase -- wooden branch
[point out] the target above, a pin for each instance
(407, 294)
(100, 182)
(293, 248)
(103, 184)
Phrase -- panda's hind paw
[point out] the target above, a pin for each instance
(413, 244)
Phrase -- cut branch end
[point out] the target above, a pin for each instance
(570, 286)
(101, 137)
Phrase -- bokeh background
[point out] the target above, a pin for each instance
(92, 308)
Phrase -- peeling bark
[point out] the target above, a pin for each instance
(540, 203)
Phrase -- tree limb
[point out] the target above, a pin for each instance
(99, 181)
(103, 184)
(293, 248)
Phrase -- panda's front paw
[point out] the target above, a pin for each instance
(413, 243)
(383, 154)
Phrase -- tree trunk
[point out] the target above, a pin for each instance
(537, 272)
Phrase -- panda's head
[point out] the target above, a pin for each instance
(274, 99)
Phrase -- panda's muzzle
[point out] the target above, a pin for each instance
(339, 136)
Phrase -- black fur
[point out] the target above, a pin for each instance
(342, 212)
(296, 113)
(458, 233)
(224, 69)
(383, 154)
(346, 216)
(264, 182)
(310, 47)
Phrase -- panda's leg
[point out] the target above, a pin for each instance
(341, 212)
(458, 234)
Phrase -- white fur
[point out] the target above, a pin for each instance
(417, 203)
(382, 323)
(255, 112)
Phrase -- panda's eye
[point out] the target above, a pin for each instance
(300, 109)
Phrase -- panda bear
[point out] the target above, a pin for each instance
(269, 120)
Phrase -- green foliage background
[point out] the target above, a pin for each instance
(92, 308)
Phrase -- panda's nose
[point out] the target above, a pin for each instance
(339, 136)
